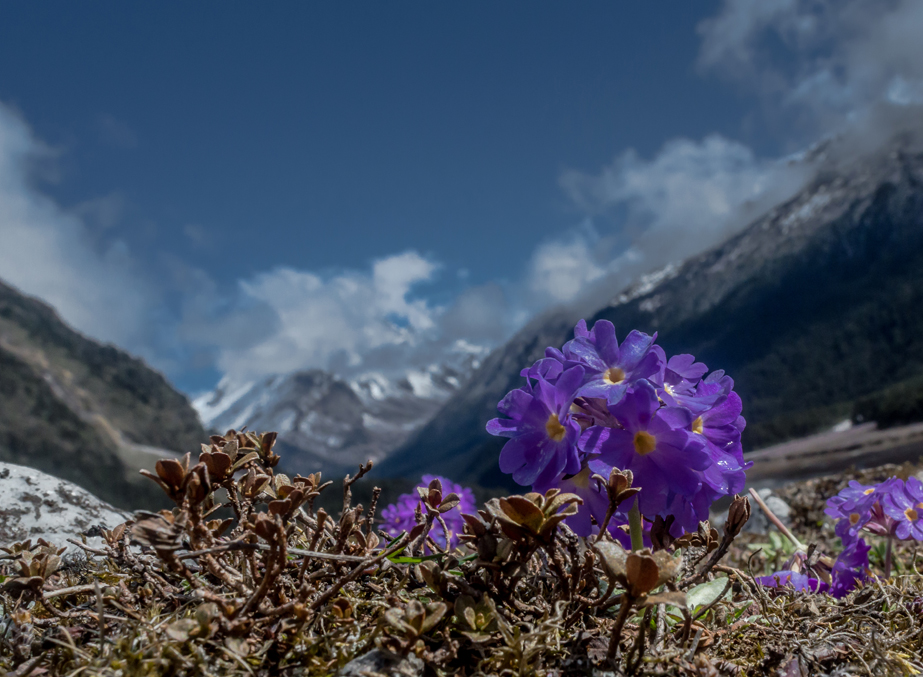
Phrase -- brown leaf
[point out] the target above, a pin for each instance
(641, 572)
(523, 512)
(171, 472)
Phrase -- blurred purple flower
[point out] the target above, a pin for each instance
(851, 567)
(400, 516)
(904, 505)
(799, 581)
(859, 507)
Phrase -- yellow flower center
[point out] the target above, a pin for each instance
(912, 514)
(869, 491)
(854, 518)
(554, 428)
(645, 443)
(613, 375)
(697, 425)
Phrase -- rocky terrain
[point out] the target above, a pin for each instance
(37, 505)
(811, 308)
(83, 411)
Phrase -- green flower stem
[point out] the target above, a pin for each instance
(635, 528)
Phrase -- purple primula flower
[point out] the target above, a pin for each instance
(678, 430)
(543, 435)
(610, 368)
(851, 567)
(799, 581)
(400, 516)
(904, 505)
(548, 368)
(688, 512)
(655, 443)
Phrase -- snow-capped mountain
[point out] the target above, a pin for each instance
(331, 423)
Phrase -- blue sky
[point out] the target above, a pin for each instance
(233, 188)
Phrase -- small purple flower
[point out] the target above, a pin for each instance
(400, 516)
(718, 426)
(851, 567)
(543, 435)
(799, 581)
(904, 505)
(859, 507)
(654, 443)
(610, 368)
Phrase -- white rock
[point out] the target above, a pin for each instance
(34, 505)
(377, 663)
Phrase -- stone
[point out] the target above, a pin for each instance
(376, 662)
(35, 505)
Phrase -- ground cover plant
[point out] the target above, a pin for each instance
(607, 564)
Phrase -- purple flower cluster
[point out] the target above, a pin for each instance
(402, 515)
(598, 404)
(850, 568)
(893, 508)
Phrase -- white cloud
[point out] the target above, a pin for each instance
(335, 320)
(689, 197)
(829, 62)
(561, 269)
(50, 253)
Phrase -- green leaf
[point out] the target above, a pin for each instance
(415, 560)
(706, 593)
(776, 540)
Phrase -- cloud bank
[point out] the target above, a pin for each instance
(277, 321)
(689, 197)
(823, 63)
(51, 253)
(853, 67)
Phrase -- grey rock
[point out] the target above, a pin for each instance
(376, 662)
(36, 505)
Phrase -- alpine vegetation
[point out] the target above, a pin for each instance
(608, 564)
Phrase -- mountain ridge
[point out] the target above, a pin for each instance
(834, 269)
(82, 410)
(330, 423)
